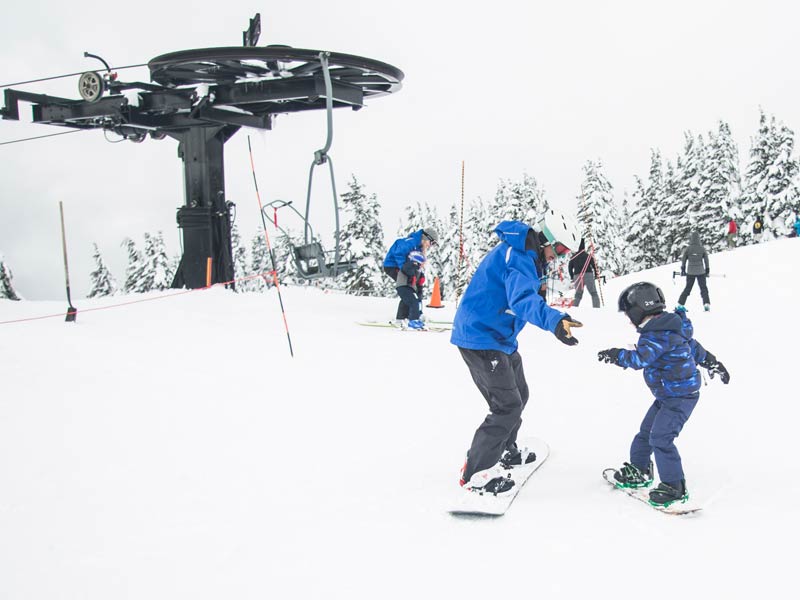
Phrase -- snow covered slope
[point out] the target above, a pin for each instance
(173, 449)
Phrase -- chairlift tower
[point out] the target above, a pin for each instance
(201, 98)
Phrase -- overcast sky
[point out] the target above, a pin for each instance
(509, 87)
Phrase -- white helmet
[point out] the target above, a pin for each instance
(558, 228)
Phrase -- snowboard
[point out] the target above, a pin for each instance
(642, 494)
(474, 504)
(433, 328)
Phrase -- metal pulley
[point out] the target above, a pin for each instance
(91, 86)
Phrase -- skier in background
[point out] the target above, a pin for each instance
(758, 228)
(583, 272)
(796, 226)
(500, 300)
(669, 356)
(733, 231)
(694, 265)
(408, 273)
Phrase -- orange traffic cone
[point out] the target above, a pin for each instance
(436, 296)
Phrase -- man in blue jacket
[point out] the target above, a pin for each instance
(501, 299)
(404, 265)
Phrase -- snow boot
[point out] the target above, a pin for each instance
(514, 457)
(669, 493)
(494, 480)
(631, 476)
(416, 324)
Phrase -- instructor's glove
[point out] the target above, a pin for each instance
(683, 272)
(715, 367)
(610, 356)
(563, 333)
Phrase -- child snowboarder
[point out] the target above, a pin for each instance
(669, 356)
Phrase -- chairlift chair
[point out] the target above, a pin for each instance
(310, 259)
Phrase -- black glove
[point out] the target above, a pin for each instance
(715, 367)
(707, 271)
(610, 356)
(683, 272)
(562, 331)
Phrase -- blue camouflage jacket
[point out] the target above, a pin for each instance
(668, 353)
(503, 296)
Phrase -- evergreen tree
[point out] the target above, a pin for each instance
(756, 174)
(156, 275)
(599, 219)
(447, 254)
(771, 179)
(361, 240)
(260, 263)
(518, 201)
(239, 260)
(783, 196)
(641, 238)
(721, 189)
(6, 288)
(625, 219)
(102, 282)
(134, 271)
(680, 214)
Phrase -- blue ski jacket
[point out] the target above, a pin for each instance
(503, 296)
(668, 353)
(396, 257)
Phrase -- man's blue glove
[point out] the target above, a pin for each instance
(610, 356)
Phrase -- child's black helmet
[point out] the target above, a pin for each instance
(640, 300)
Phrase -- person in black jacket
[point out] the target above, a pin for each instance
(583, 272)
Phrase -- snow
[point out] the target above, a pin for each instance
(173, 449)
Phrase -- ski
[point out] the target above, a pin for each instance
(397, 326)
(642, 495)
(474, 504)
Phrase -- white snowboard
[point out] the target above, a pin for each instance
(643, 495)
(491, 505)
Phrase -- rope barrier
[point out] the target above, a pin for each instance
(139, 301)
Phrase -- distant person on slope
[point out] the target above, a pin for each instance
(733, 231)
(669, 356)
(796, 226)
(500, 300)
(583, 272)
(694, 265)
(404, 264)
(758, 228)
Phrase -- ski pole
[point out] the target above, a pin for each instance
(269, 248)
(72, 312)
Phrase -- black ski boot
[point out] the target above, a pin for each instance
(631, 476)
(513, 457)
(669, 493)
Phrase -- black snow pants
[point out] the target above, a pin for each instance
(501, 381)
(701, 279)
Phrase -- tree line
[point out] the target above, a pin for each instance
(701, 189)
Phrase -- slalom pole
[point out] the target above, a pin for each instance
(72, 312)
(269, 248)
(460, 269)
